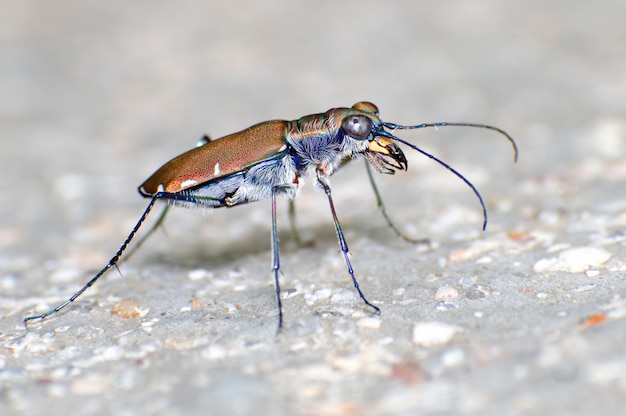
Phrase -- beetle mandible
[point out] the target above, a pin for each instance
(271, 158)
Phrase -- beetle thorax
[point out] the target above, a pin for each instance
(319, 144)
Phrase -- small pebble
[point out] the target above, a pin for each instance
(198, 274)
(446, 292)
(608, 372)
(558, 247)
(8, 283)
(574, 260)
(240, 287)
(408, 373)
(127, 308)
(321, 294)
(214, 352)
(369, 322)
(462, 254)
(446, 305)
(467, 281)
(57, 390)
(287, 293)
(519, 235)
(584, 288)
(452, 357)
(399, 291)
(343, 296)
(299, 346)
(478, 292)
(548, 217)
(89, 385)
(430, 334)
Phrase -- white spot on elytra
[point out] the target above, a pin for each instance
(216, 169)
(160, 188)
(188, 182)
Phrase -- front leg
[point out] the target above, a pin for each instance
(342, 240)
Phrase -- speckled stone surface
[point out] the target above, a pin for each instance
(528, 317)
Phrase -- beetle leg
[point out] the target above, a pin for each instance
(342, 241)
(292, 222)
(276, 259)
(142, 240)
(112, 263)
(383, 211)
(294, 227)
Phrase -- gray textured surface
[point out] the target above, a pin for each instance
(94, 98)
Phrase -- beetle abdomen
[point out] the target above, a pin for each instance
(219, 158)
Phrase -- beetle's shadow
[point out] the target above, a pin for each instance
(175, 249)
(256, 242)
(197, 252)
(229, 235)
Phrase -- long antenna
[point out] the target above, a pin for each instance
(394, 126)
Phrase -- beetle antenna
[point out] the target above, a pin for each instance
(394, 126)
(451, 169)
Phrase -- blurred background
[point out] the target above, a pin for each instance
(95, 96)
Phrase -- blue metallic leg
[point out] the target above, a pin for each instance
(112, 263)
(276, 259)
(383, 211)
(139, 243)
(292, 222)
(342, 242)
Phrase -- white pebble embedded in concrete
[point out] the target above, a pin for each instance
(574, 260)
(369, 322)
(198, 274)
(430, 334)
(446, 292)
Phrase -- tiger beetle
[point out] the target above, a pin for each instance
(271, 158)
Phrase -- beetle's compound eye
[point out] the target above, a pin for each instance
(357, 126)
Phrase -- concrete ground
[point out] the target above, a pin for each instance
(528, 317)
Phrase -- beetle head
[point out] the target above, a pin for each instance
(382, 152)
